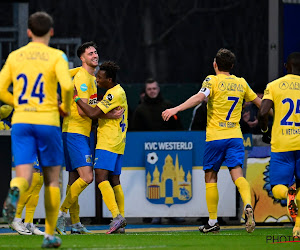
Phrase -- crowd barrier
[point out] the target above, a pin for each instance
(162, 176)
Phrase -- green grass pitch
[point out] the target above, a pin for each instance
(181, 240)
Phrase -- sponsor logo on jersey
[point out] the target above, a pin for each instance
(83, 87)
(109, 97)
(105, 103)
(93, 99)
(266, 92)
(283, 85)
(222, 86)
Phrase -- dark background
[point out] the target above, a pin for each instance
(174, 41)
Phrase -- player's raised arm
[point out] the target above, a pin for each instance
(65, 81)
(189, 103)
(5, 81)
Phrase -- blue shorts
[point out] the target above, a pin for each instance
(31, 141)
(229, 150)
(284, 166)
(77, 151)
(109, 161)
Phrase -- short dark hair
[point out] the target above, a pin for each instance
(84, 46)
(225, 60)
(150, 80)
(40, 23)
(110, 68)
(293, 60)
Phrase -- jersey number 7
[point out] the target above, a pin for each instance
(38, 83)
(235, 101)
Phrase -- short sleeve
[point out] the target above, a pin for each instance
(268, 93)
(109, 102)
(80, 83)
(249, 93)
(207, 84)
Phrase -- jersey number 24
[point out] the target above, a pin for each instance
(37, 85)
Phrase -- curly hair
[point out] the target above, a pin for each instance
(111, 69)
(225, 60)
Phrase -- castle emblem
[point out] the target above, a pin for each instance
(168, 182)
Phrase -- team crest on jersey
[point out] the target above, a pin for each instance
(88, 158)
(169, 176)
(109, 97)
(83, 87)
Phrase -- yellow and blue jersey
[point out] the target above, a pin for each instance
(111, 133)
(87, 89)
(285, 94)
(224, 105)
(35, 71)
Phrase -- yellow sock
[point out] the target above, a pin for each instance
(280, 191)
(297, 223)
(212, 199)
(74, 210)
(75, 190)
(244, 189)
(21, 183)
(27, 195)
(120, 199)
(52, 201)
(109, 198)
(24, 198)
(34, 199)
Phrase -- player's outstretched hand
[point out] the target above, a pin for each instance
(168, 113)
(266, 138)
(115, 113)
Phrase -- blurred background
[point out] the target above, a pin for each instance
(172, 41)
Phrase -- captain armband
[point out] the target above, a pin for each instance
(205, 91)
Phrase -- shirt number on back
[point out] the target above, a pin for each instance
(235, 101)
(38, 85)
(284, 120)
